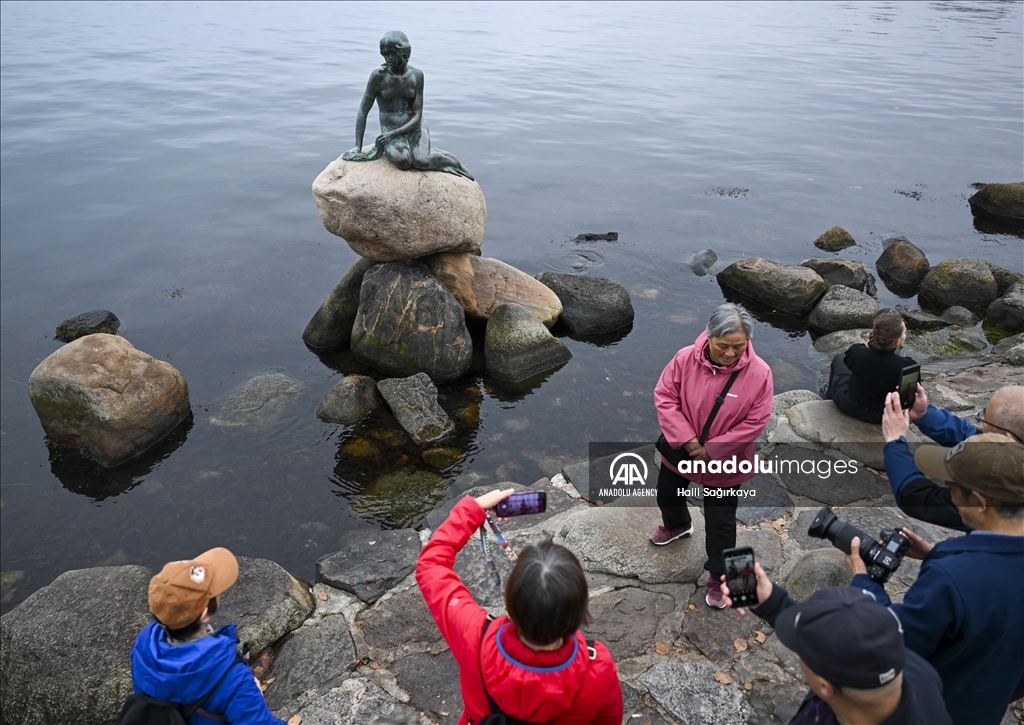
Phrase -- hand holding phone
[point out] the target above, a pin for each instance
(910, 376)
(740, 577)
(526, 502)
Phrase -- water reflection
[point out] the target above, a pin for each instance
(80, 474)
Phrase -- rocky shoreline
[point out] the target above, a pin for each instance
(358, 645)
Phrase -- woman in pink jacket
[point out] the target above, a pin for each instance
(707, 445)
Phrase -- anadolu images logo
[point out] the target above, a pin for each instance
(627, 473)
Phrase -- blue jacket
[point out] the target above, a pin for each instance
(917, 495)
(963, 615)
(185, 673)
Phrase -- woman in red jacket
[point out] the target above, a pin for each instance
(706, 443)
(534, 663)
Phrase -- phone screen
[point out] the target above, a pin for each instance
(519, 504)
(739, 576)
(909, 379)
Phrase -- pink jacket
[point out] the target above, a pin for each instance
(685, 395)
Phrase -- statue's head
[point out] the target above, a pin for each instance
(396, 42)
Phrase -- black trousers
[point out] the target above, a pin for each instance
(719, 517)
(839, 392)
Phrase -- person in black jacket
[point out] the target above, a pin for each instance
(853, 658)
(862, 376)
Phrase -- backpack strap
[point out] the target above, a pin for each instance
(188, 710)
(718, 404)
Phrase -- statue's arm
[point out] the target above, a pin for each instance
(369, 96)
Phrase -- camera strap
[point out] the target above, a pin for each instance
(502, 541)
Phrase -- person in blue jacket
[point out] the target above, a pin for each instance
(179, 658)
(963, 614)
(915, 494)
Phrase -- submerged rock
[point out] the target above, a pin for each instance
(238, 409)
(331, 326)
(902, 264)
(784, 287)
(413, 400)
(350, 400)
(401, 498)
(835, 239)
(517, 346)
(64, 651)
(481, 284)
(1002, 202)
(87, 323)
(1007, 312)
(702, 262)
(841, 271)
(843, 308)
(388, 215)
(959, 281)
(101, 394)
(591, 305)
(408, 323)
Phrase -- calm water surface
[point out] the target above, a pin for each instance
(157, 161)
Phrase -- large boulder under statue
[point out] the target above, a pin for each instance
(387, 215)
(409, 323)
(101, 394)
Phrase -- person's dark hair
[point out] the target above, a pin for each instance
(546, 594)
(885, 331)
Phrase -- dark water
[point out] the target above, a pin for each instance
(157, 161)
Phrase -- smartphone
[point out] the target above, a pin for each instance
(910, 376)
(739, 576)
(528, 502)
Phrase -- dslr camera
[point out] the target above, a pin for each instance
(881, 557)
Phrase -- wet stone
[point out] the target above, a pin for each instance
(87, 323)
(626, 620)
(433, 684)
(370, 567)
(413, 400)
(352, 398)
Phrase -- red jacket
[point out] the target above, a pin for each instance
(685, 395)
(580, 691)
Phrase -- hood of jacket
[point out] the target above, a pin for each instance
(533, 685)
(181, 673)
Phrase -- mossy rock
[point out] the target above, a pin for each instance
(402, 498)
(360, 449)
(1002, 202)
(441, 457)
(835, 239)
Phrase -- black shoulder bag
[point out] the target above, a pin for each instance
(672, 455)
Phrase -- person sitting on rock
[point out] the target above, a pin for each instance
(862, 376)
(853, 658)
(397, 88)
(916, 494)
(534, 663)
(713, 399)
(179, 658)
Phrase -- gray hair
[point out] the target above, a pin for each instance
(730, 318)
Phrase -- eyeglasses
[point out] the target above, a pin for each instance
(977, 417)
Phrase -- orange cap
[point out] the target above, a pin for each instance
(178, 594)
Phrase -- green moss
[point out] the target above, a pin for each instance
(995, 334)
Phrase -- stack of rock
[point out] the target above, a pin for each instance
(402, 307)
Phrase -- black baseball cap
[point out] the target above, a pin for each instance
(845, 636)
